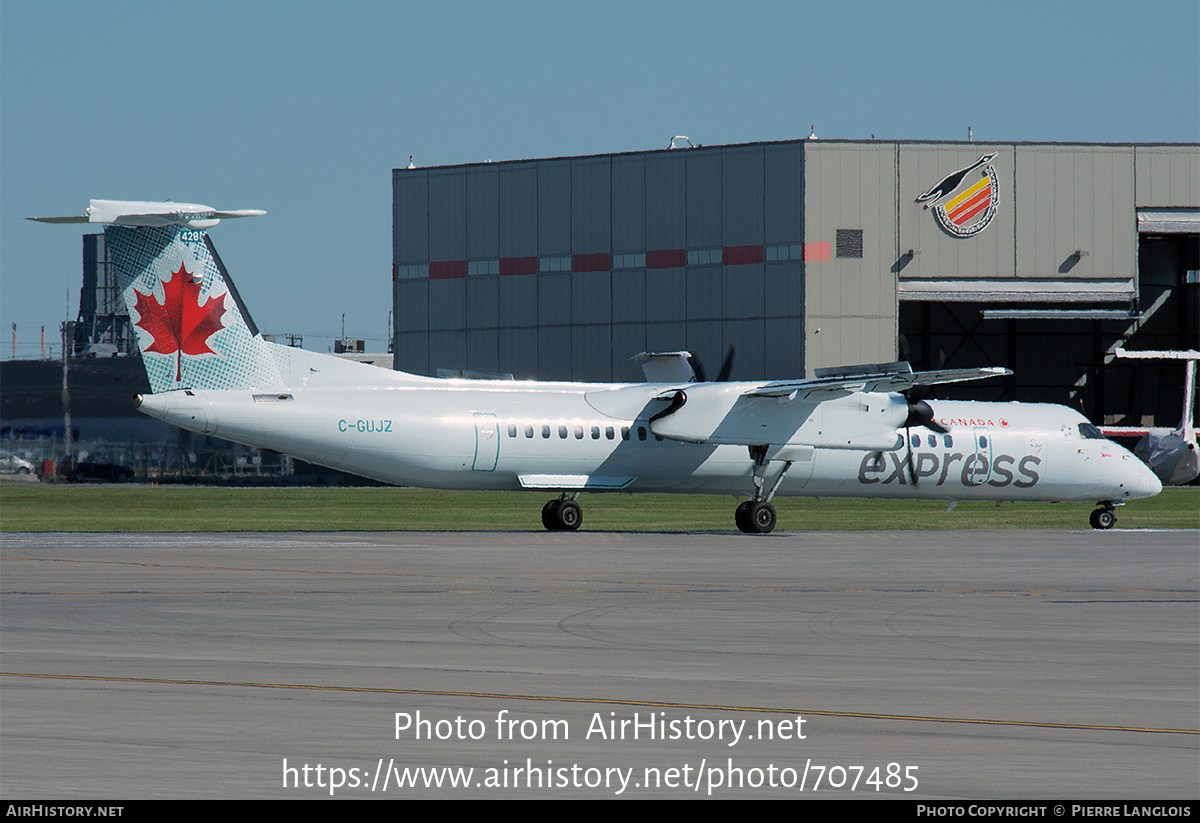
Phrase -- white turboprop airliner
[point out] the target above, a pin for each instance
(846, 432)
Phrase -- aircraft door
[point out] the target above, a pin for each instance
(487, 442)
(979, 468)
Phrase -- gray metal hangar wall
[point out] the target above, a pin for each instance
(800, 252)
(565, 268)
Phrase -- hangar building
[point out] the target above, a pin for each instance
(1043, 257)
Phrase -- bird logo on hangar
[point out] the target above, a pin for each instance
(964, 204)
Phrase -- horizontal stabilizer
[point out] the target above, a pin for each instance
(146, 213)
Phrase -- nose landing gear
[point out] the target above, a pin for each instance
(1103, 517)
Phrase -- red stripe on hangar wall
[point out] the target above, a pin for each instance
(741, 255)
(447, 269)
(518, 265)
(666, 259)
(591, 262)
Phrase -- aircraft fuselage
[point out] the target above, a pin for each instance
(569, 436)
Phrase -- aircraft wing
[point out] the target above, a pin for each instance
(819, 412)
(891, 377)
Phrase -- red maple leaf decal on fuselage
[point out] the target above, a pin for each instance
(180, 324)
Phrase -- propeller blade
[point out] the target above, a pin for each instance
(722, 375)
(912, 470)
(920, 413)
(727, 366)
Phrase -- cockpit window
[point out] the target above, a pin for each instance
(1089, 432)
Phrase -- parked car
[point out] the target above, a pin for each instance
(11, 464)
(94, 470)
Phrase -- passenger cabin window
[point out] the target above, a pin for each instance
(579, 432)
(529, 431)
(595, 432)
(562, 432)
(545, 432)
(608, 432)
(641, 432)
(512, 429)
(624, 432)
(948, 441)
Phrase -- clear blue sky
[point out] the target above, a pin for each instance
(304, 108)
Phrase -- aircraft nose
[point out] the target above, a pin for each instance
(1148, 484)
(1144, 482)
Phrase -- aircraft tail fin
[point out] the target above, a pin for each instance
(1186, 425)
(191, 326)
(1189, 398)
(1173, 455)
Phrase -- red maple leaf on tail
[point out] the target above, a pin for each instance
(180, 324)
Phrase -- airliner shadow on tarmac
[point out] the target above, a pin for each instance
(845, 432)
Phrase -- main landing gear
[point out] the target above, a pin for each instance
(1103, 517)
(562, 514)
(757, 515)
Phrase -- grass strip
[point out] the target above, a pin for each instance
(115, 508)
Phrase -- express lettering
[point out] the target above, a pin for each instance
(973, 469)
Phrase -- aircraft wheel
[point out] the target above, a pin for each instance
(569, 515)
(740, 517)
(550, 514)
(761, 518)
(1103, 519)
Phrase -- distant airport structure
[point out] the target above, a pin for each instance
(1041, 257)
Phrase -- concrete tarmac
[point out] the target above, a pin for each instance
(944, 665)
